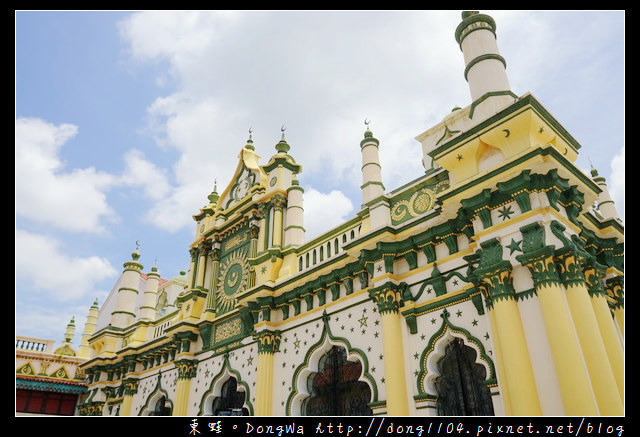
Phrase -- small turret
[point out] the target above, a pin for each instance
(372, 187)
(606, 205)
(84, 351)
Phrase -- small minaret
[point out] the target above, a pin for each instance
(84, 351)
(69, 333)
(606, 205)
(148, 308)
(285, 201)
(485, 68)
(124, 313)
(67, 347)
(372, 187)
(294, 231)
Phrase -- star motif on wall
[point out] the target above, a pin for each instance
(433, 321)
(540, 130)
(263, 269)
(459, 157)
(474, 323)
(250, 360)
(379, 268)
(363, 321)
(415, 355)
(296, 344)
(429, 290)
(459, 313)
(486, 336)
(422, 337)
(455, 282)
(505, 212)
(375, 334)
(514, 245)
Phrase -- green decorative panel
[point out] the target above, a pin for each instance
(233, 275)
(413, 203)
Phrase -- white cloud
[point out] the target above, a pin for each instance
(72, 200)
(143, 173)
(41, 263)
(323, 211)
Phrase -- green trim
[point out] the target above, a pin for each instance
(226, 366)
(527, 102)
(486, 96)
(481, 58)
(445, 326)
(328, 337)
(473, 18)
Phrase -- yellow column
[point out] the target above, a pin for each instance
(593, 348)
(278, 202)
(210, 303)
(202, 263)
(186, 371)
(268, 345)
(606, 325)
(519, 391)
(573, 379)
(388, 297)
(615, 291)
(262, 211)
(130, 389)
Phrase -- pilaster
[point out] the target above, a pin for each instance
(573, 379)
(268, 345)
(388, 298)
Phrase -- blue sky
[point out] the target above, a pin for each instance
(125, 119)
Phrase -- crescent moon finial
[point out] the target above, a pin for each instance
(282, 129)
(137, 244)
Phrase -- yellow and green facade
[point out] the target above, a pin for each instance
(498, 252)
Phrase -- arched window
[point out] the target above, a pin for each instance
(460, 386)
(335, 389)
(161, 408)
(231, 401)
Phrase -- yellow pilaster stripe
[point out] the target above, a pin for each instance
(520, 390)
(600, 371)
(573, 380)
(611, 339)
(387, 298)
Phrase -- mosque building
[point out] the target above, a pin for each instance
(492, 284)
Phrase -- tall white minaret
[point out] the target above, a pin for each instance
(373, 196)
(485, 68)
(606, 206)
(294, 232)
(84, 351)
(124, 313)
(148, 307)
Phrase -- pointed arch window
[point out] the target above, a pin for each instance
(161, 408)
(335, 389)
(231, 401)
(460, 386)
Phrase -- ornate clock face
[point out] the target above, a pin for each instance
(234, 275)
